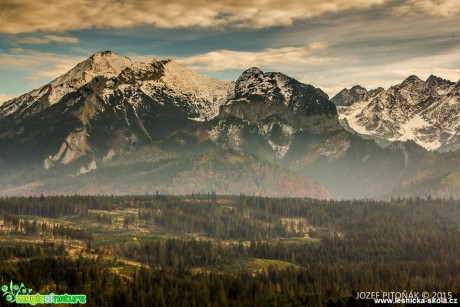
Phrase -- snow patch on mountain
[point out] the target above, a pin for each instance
(207, 93)
(235, 140)
(280, 150)
(106, 63)
(427, 112)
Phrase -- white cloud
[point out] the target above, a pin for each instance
(22, 58)
(442, 8)
(270, 57)
(444, 64)
(46, 39)
(40, 67)
(28, 58)
(19, 16)
(52, 72)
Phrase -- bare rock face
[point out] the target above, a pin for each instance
(277, 93)
(279, 107)
(347, 97)
(112, 125)
(427, 112)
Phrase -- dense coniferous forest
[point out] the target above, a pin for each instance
(209, 250)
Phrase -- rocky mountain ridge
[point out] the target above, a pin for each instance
(427, 112)
(114, 126)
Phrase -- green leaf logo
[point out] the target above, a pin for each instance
(13, 290)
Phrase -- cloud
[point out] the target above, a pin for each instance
(445, 64)
(5, 97)
(19, 16)
(442, 8)
(46, 39)
(270, 57)
(40, 67)
(52, 72)
(28, 58)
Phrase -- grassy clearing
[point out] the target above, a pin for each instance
(252, 265)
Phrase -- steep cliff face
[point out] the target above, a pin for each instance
(263, 97)
(347, 97)
(269, 109)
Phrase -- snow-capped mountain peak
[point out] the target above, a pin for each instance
(153, 77)
(106, 63)
(126, 100)
(208, 93)
(427, 112)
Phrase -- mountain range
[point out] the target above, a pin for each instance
(427, 112)
(115, 126)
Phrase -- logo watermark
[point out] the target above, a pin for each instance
(20, 294)
(408, 297)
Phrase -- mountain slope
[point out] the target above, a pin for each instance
(124, 103)
(104, 63)
(152, 169)
(111, 125)
(206, 93)
(295, 125)
(427, 112)
(268, 110)
(91, 128)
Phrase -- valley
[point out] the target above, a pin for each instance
(234, 249)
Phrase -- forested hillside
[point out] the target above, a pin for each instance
(228, 250)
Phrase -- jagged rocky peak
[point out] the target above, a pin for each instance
(251, 71)
(107, 62)
(377, 90)
(264, 87)
(423, 111)
(412, 79)
(275, 88)
(266, 98)
(358, 89)
(347, 97)
(437, 81)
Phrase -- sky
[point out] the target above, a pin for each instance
(331, 44)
